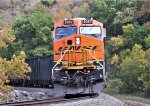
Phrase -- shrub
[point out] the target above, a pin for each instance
(147, 90)
(114, 86)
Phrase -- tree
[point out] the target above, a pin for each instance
(133, 69)
(114, 86)
(135, 34)
(128, 12)
(46, 2)
(62, 10)
(116, 42)
(115, 59)
(33, 34)
(103, 13)
(114, 13)
(147, 41)
(14, 68)
(82, 11)
(61, 15)
(132, 62)
(64, 4)
(6, 35)
(145, 78)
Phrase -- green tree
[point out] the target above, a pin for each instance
(134, 70)
(114, 86)
(132, 62)
(116, 43)
(115, 59)
(147, 41)
(146, 75)
(135, 34)
(46, 2)
(115, 12)
(105, 11)
(33, 33)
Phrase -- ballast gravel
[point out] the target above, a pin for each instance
(20, 96)
(102, 100)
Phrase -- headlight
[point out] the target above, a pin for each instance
(90, 62)
(64, 63)
(78, 41)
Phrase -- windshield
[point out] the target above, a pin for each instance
(92, 31)
(62, 32)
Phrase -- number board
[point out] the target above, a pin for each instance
(68, 22)
(87, 21)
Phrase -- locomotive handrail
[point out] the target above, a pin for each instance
(58, 63)
(96, 59)
(100, 65)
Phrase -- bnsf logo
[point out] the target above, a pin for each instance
(78, 48)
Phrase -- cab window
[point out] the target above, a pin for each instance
(62, 32)
(92, 31)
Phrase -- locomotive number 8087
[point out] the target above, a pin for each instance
(79, 55)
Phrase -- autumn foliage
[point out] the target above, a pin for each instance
(14, 68)
(62, 10)
(6, 35)
(130, 59)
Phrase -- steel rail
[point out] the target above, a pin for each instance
(46, 101)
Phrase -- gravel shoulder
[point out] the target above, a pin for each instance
(133, 99)
(102, 100)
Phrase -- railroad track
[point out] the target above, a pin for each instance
(133, 103)
(49, 101)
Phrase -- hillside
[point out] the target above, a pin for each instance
(10, 9)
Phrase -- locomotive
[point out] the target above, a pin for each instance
(79, 55)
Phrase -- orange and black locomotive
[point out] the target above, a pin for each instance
(79, 54)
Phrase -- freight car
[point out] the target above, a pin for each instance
(79, 55)
(40, 76)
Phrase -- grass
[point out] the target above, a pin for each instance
(132, 98)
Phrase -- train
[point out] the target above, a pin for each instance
(79, 55)
(78, 63)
